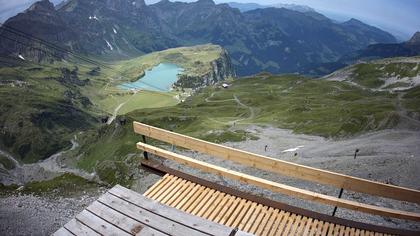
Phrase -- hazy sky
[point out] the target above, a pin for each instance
(400, 17)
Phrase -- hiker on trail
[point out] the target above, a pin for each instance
(265, 148)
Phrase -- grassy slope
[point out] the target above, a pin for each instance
(370, 74)
(34, 108)
(320, 107)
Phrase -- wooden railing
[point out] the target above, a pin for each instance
(283, 168)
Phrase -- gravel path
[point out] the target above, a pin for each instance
(34, 215)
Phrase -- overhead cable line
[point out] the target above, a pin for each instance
(51, 45)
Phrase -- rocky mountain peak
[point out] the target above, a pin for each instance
(415, 39)
(139, 3)
(44, 5)
(206, 2)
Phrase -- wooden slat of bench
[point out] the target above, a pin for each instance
(163, 211)
(230, 211)
(264, 221)
(203, 201)
(232, 219)
(270, 222)
(171, 196)
(185, 204)
(241, 214)
(220, 208)
(62, 232)
(281, 167)
(162, 187)
(281, 188)
(209, 209)
(99, 225)
(182, 194)
(171, 184)
(156, 185)
(147, 218)
(250, 217)
(225, 209)
(77, 228)
(258, 220)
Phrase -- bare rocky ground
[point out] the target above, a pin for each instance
(35, 215)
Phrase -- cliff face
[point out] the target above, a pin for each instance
(221, 69)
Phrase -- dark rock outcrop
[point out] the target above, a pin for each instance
(222, 69)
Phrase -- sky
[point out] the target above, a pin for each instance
(399, 17)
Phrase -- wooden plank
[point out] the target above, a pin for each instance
(183, 194)
(331, 230)
(302, 225)
(147, 218)
(284, 222)
(230, 214)
(169, 189)
(121, 221)
(214, 205)
(280, 188)
(219, 208)
(281, 167)
(160, 185)
(99, 225)
(204, 201)
(156, 185)
(250, 221)
(208, 203)
(258, 220)
(234, 216)
(163, 188)
(241, 214)
(275, 227)
(164, 211)
(295, 225)
(270, 222)
(314, 227)
(225, 210)
(308, 226)
(185, 204)
(62, 232)
(288, 226)
(264, 221)
(171, 195)
(77, 228)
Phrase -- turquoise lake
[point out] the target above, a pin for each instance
(159, 78)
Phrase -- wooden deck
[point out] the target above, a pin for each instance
(248, 216)
(124, 212)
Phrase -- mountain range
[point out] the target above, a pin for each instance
(243, 7)
(377, 51)
(277, 40)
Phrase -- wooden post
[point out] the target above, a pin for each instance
(145, 154)
(234, 231)
(339, 196)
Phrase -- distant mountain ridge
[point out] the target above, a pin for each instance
(243, 7)
(277, 40)
(382, 50)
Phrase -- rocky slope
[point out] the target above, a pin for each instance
(272, 39)
(221, 69)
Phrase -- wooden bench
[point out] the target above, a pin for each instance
(283, 168)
